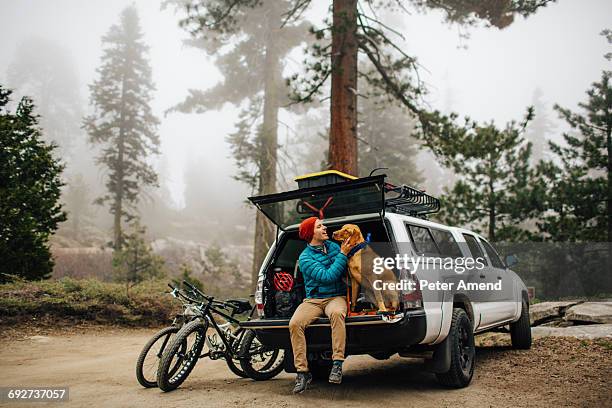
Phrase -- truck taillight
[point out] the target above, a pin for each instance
(259, 296)
(412, 299)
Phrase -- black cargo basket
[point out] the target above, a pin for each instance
(409, 201)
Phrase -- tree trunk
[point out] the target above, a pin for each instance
(118, 205)
(343, 130)
(264, 231)
(609, 147)
(492, 205)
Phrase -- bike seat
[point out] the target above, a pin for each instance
(241, 305)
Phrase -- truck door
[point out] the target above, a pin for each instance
(480, 303)
(503, 305)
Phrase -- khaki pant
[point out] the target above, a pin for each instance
(306, 313)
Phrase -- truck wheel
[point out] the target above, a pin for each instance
(520, 331)
(461, 337)
(259, 362)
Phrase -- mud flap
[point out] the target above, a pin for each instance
(441, 360)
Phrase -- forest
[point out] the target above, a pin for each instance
(126, 156)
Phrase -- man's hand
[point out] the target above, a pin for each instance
(345, 247)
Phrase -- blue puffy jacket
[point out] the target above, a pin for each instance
(323, 272)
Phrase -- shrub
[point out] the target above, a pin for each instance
(87, 300)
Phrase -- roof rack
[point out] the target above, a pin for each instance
(407, 200)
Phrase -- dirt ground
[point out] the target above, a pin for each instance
(98, 366)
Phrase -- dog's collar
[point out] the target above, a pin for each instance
(360, 246)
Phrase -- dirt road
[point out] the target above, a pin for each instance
(98, 366)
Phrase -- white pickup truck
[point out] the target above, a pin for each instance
(436, 321)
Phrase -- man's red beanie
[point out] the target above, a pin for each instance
(307, 226)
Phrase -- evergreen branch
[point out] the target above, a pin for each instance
(374, 57)
(400, 35)
(313, 90)
(295, 12)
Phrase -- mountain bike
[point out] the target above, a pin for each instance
(228, 341)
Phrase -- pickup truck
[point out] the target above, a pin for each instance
(436, 321)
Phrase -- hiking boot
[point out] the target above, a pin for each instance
(301, 382)
(335, 376)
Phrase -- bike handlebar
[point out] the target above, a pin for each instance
(195, 290)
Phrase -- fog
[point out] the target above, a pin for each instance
(492, 75)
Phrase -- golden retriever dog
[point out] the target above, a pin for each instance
(386, 300)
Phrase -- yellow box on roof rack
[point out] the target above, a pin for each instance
(323, 178)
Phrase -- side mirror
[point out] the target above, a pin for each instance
(511, 260)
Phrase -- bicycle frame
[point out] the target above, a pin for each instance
(205, 309)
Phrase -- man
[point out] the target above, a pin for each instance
(323, 264)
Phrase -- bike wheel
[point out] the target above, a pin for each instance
(234, 363)
(181, 355)
(258, 362)
(148, 360)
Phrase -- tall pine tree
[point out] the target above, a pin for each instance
(122, 121)
(44, 71)
(356, 28)
(249, 43)
(575, 187)
(578, 192)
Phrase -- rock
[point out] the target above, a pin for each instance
(592, 331)
(492, 339)
(590, 312)
(541, 312)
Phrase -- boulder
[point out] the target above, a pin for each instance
(590, 312)
(545, 311)
(591, 331)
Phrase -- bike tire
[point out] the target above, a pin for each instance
(234, 365)
(269, 370)
(171, 376)
(141, 375)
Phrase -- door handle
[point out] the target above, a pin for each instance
(482, 276)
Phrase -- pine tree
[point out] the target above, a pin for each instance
(492, 192)
(44, 71)
(355, 28)
(579, 190)
(135, 261)
(575, 187)
(30, 187)
(122, 122)
(256, 42)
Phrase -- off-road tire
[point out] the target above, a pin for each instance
(234, 365)
(140, 375)
(520, 331)
(169, 378)
(463, 352)
(268, 371)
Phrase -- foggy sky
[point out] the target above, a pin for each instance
(558, 49)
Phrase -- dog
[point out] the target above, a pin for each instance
(386, 300)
